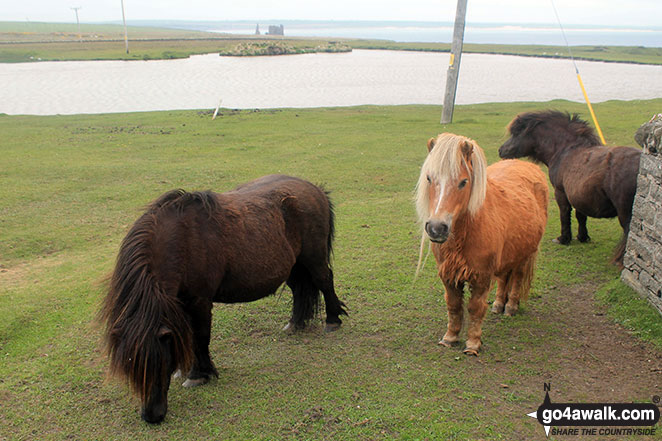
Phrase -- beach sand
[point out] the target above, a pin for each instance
(310, 80)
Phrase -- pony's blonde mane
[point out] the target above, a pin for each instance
(445, 162)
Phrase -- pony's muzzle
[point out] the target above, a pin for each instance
(437, 230)
(154, 414)
(507, 151)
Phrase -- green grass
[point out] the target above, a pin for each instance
(631, 311)
(70, 187)
(623, 54)
(251, 49)
(24, 42)
(40, 32)
(138, 49)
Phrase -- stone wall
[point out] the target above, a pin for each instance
(643, 255)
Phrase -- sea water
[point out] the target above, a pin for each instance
(442, 32)
(309, 80)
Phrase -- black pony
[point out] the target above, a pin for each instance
(191, 249)
(598, 181)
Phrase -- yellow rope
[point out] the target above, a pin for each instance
(590, 109)
(579, 78)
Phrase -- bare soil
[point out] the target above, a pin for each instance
(592, 360)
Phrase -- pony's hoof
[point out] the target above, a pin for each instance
(510, 311)
(497, 308)
(289, 328)
(330, 327)
(469, 351)
(561, 241)
(447, 343)
(177, 374)
(195, 382)
(584, 239)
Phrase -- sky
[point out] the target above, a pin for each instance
(588, 12)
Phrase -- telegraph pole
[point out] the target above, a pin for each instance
(126, 35)
(454, 64)
(80, 38)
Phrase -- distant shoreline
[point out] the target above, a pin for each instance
(613, 54)
(157, 49)
(29, 42)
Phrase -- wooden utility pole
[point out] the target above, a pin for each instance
(80, 37)
(126, 35)
(454, 65)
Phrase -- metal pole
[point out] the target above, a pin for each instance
(454, 65)
(126, 35)
(80, 38)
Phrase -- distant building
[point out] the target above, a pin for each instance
(276, 30)
(257, 29)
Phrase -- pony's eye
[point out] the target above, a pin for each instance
(429, 180)
(463, 182)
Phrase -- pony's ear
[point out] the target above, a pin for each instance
(431, 144)
(164, 332)
(467, 149)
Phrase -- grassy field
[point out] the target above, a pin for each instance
(23, 42)
(70, 187)
(628, 54)
(24, 32)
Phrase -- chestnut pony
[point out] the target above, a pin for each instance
(483, 223)
(598, 181)
(191, 249)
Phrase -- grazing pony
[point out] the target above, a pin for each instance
(598, 181)
(191, 249)
(483, 223)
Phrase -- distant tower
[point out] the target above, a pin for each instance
(276, 30)
(257, 29)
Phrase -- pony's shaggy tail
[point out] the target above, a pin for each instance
(137, 312)
(306, 296)
(527, 276)
(619, 251)
(332, 229)
(305, 293)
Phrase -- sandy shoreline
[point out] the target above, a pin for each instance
(311, 80)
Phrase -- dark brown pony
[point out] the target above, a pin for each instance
(191, 249)
(596, 180)
(484, 223)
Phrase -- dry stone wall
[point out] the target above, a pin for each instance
(643, 255)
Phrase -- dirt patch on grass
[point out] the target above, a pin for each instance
(584, 355)
(601, 359)
(19, 274)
